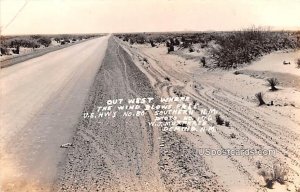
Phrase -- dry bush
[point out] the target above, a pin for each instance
(191, 49)
(152, 43)
(277, 173)
(259, 96)
(203, 61)
(273, 82)
(227, 123)
(4, 51)
(145, 60)
(232, 135)
(219, 120)
(170, 48)
(46, 41)
(244, 46)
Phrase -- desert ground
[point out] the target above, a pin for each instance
(49, 143)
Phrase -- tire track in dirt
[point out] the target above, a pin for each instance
(255, 131)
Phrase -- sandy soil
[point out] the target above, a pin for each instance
(265, 127)
(41, 100)
(125, 153)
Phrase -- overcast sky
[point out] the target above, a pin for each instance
(96, 16)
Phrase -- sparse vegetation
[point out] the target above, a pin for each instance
(203, 61)
(259, 96)
(258, 164)
(277, 173)
(46, 41)
(231, 48)
(243, 46)
(191, 49)
(219, 119)
(232, 136)
(237, 72)
(145, 59)
(170, 48)
(227, 123)
(152, 43)
(272, 83)
(13, 44)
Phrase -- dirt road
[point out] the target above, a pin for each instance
(41, 100)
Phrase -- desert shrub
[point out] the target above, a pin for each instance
(203, 61)
(243, 46)
(152, 43)
(186, 44)
(219, 120)
(140, 38)
(298, 63)
(131, 41)
(176, 42)
(57, 39)
(237, 72)
(232, 136)
(259, 97)
(168, 44)
(272, 83)
(4, 51)
(16, 50)
(258, 164)
(167, 78)
(277, 173)
(191, 49)
(145, 59)
(172, 41)
(35, 36)
(227, 123)
(24, 43)
(170, 48)
(46, 41)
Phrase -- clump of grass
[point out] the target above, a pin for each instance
(167, 78)
(273, 82)
(203, 61)
(277, 173)
(4, 51)
(219, 120)
(232, 136)
(259, 96)
(152, 43)
(170, 48)
(227, 123)
(258, 164)
(191, 49)
(145, 59)
(237, 72)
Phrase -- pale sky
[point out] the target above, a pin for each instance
(107, 16)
